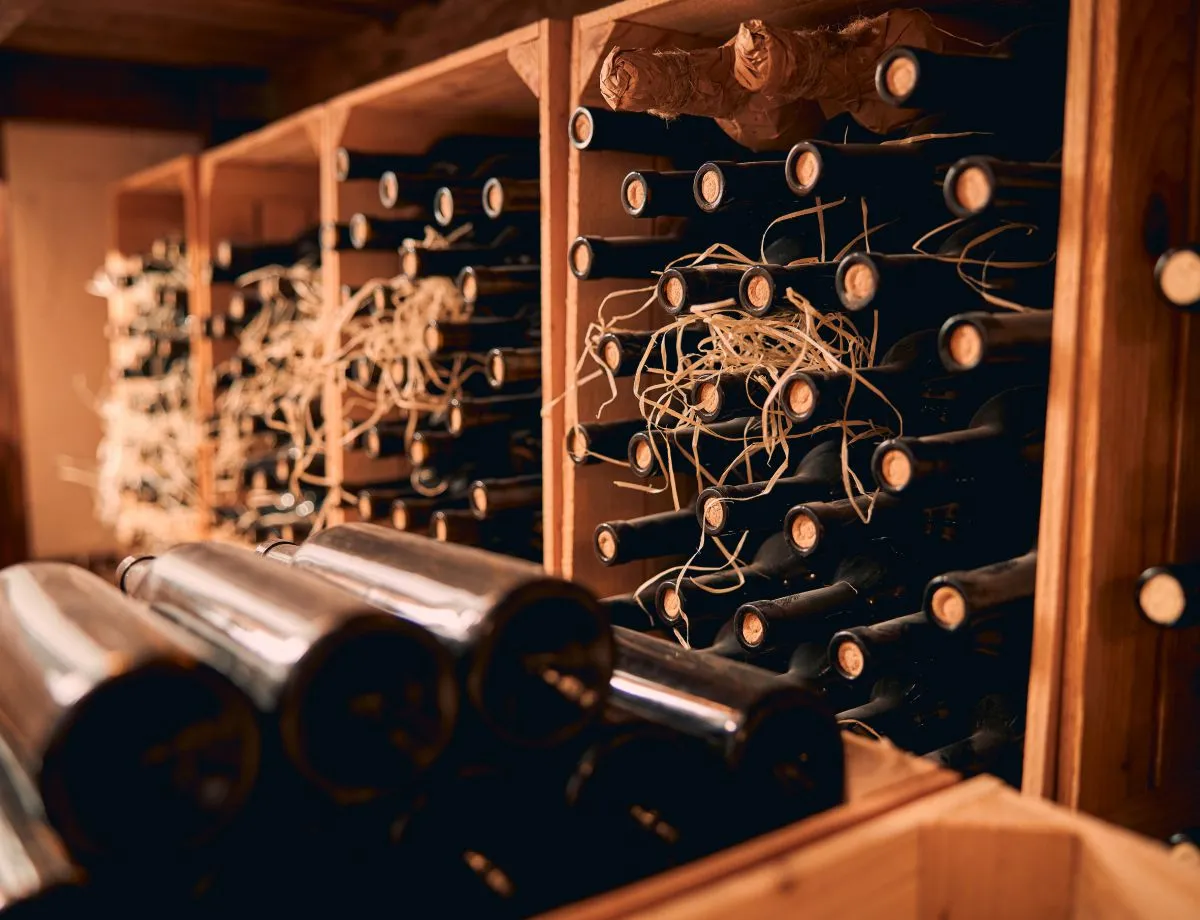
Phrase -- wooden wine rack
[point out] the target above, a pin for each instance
(1112, 703)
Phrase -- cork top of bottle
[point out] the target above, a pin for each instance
(581, 258)
(468, 285)
(900, 76)
(896, 469)
(581, 127)
(1162, 598)
(360, 230)
(495, 368)
(493, 198)
(643, 455)
(973, 189)
(611, 355)
(806, 169)
(804, 532)
(410, 263)
(341, 159)
(752, 629)
(858, 285)
(714, 513)
(635, 193)
(759, 291)
(479, 498)
(371, 444)
(606, 544)
(1178, 274)
(964, 345)
(672, 604)
(389, 189)
(708, 397)
(443, 206)
(432, 337)
(674, 291)
(850, 659)
(801, 397)
(399, 516)
(440, 529)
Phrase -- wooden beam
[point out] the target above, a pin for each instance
(13, 545)
(13, 13)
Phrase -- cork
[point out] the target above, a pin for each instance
(454, 420)
(850, 659)
(224, 254)
(708, 398)
(496, 370)
(418, 452)
(973, 189)
(577, 444)
(364, 507)
(901, 77)
(805, 533)
(410, 263)
(965, 345)
(606, 544)
(896, 469)
(371, 443)
(399, 517)
(237, 306)
(581, 129)
(674, 292)
(258, 481)
(360, 230)
(493, 198)
(948, 606)
(758, 292)
(643, 456)
(443, 205)
(469, 288)
(714, 513)
(635, 194)
(389, 189)
(753, 629)
(1179, 277)
(479, 499)
(219, 326)
(806, 169)
(710, 186)
(342, 159)
(432, 338)
(612, 355)
(440, 531)
(801, 398)
(581, 258)
(1162, 599)
(859, 283)
(672, 603)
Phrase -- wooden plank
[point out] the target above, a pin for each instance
(13, 541)
(294, 139)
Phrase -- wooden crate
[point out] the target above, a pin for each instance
(512, 85)
(262, 187)
(1112, 700)
(977, 850)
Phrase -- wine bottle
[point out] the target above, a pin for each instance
(647, 193)
(776, 737)
(482, 283)
(592, 442)
(461, 198)
(1166, 595)
(664, 533)
(709, 600)
(239, 258)
(418, 261)
(1006, 434)
(1177, 276)
(475, 335)
(970, 339)
(622, 352)
(512, 411)
(980, 184)
(516, 533)
(48, 884)
(506, 366)
(535, 652)
(995, 740)
(719, 186)
(379, 234)
(414, 514)
(762, 289)
(410, 191)
(734, 448)
(137, 747)
(364, 700)
(864, 586)
(350, 165)
(489, 497)
(838, 526)
(730, 509)
(684, 139)
(596, 257)
(387, 439)
(511, 196)
(446, 452)
(680, 289)
(636, 609)
(955, 599)
(869, 652)
(336, 237)
(244, 305)
(364, 372)
(375, 503)
(730, 395)
(914, 715)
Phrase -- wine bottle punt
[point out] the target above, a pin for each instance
(680, 289)
(596, 257)
(506, 366)
(535, 652)
(511, 196)
(150, 753)
(489, 497)
(364, 701)
(762, 289)
(1167, 595)
(1177, 276)
(980, 184)
(969, 340)
(731, 395)
(1005, 437)
(591, 442)
(622, 352)
(664, 533)
(647, 193)
(684, 138)
(953, 600)
(777, 737)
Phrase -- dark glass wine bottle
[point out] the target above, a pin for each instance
(977, 185)
(593, 442)
(475, 335)
(731, 395)
(955, 599)
(646, 193)
(508, 366)
(510, 411)
(969, 340)
(661, 534)
(762, 289)
(622, 352)
(679, 289)
(596, 257)
(684, 138)
(478, 283)
(489, 497)
(511, 196)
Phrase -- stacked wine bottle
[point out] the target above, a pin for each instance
(147, 475)
(443, 361)
(861, 409)
(265, 337)
(364, 708)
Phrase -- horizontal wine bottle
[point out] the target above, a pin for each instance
(235, 259)
(718, 186)
(151, 753)
(837, 526)
(648, 193)
(980, 184)
(508, 366)
(996, 738)
(414, 514)
(596, 257)
(734, 447)
(622, 352)
(870, 652)
(418, 261)
(387, 439)
(311, 654)
(379, 234)
(462, 198)
(1167, 595)
(590, 442)
(511, 196)
(661, 534)
(955, 599)
(244, 305)
(447, 452)
(636, 609)
(535, 652)
(515, 533)
(914, 715)
(1006, 435)
(364, 372)
(865, 585)
(731, 395)
(518, 411)
(479, 283)
(684, 138)
(337, 237)
(969, 340)
(731, 509)
(1177, 276)
(489, 497)
(375, 503)
(679, 289)
(351, 165)
(762, 289)
(475, 335)
(777, 737)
